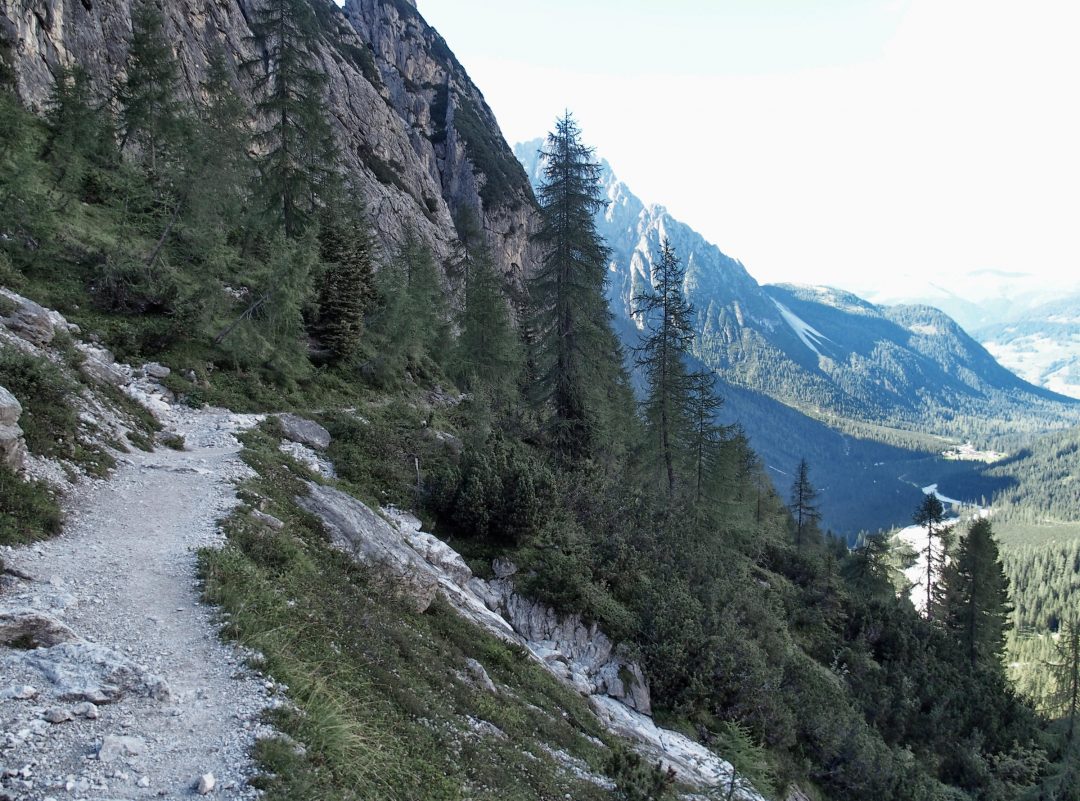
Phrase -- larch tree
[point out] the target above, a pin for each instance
(151, 116)
(297, 143)
(487, 353)
(576, 352)
(706, 435)
(976, 604)
(1065, 669)
(662, 355)
(930, 516)
(804, 504)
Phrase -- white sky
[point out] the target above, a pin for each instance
(852, 142)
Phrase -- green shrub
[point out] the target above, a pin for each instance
(28, 510)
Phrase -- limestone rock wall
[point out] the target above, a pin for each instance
(418, 140)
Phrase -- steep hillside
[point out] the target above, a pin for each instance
(1042, 345)
(418, 141)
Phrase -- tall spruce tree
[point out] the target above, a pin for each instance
(1066, 672)
(804, 505)
(151, 116)
(576, 353)
(297, 141)
(346, 247)
(976, 604)
(661, 355)
(706, 435)
(487, 353)
(930, 516)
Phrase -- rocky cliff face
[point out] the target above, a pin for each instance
(417, 139)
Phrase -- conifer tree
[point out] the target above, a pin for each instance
(80, 134)
(487, 352)
(150, 114)
(411, 316)
(576, 353)
(804, 505)
(661, 355)
(706, 435)
(930, 515)
(297, 141)
(1066, 672)
(976, 596)
(223, 167)
(346, 248)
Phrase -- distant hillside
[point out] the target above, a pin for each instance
(1042, 345)
(868, 395)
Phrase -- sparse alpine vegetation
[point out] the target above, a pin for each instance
(224, 241)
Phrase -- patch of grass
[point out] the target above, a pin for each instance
(49, 421)
(28, 510)
(174, 441)
(11, 278)
(380, 702)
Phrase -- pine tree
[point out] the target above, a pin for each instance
(930, 515)
(487, 352)
(150, 114)
(346, 248)
(80, 133)
(576, 352)
(297, 142)
(661, 355)
(804, 505)
(706, 435)
(1066, 672)
(976, 596)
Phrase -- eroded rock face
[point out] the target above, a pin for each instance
(12, 446)
(581, 655)
(357, 530)
(396, 95)
(29, 321)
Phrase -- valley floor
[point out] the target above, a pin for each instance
(173, 702)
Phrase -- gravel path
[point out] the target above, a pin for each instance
(122, 577)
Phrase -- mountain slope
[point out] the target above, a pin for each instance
(823, 351)
(1042, 345)
(418, 141)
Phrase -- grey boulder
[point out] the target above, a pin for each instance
(369, 539)
(306, 432)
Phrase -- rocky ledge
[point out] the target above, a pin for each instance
(421, 567)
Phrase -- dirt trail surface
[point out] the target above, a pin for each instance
(140, 699)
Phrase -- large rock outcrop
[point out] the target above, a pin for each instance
(358, 531)
(581, 655)
(12, 446)
(418, 141)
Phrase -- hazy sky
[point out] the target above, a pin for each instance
(851, 142)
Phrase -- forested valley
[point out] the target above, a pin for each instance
(222, 238)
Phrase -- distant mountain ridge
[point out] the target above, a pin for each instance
(870, 395)
(821, 350)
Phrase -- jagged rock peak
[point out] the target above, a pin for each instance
(418, 140)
